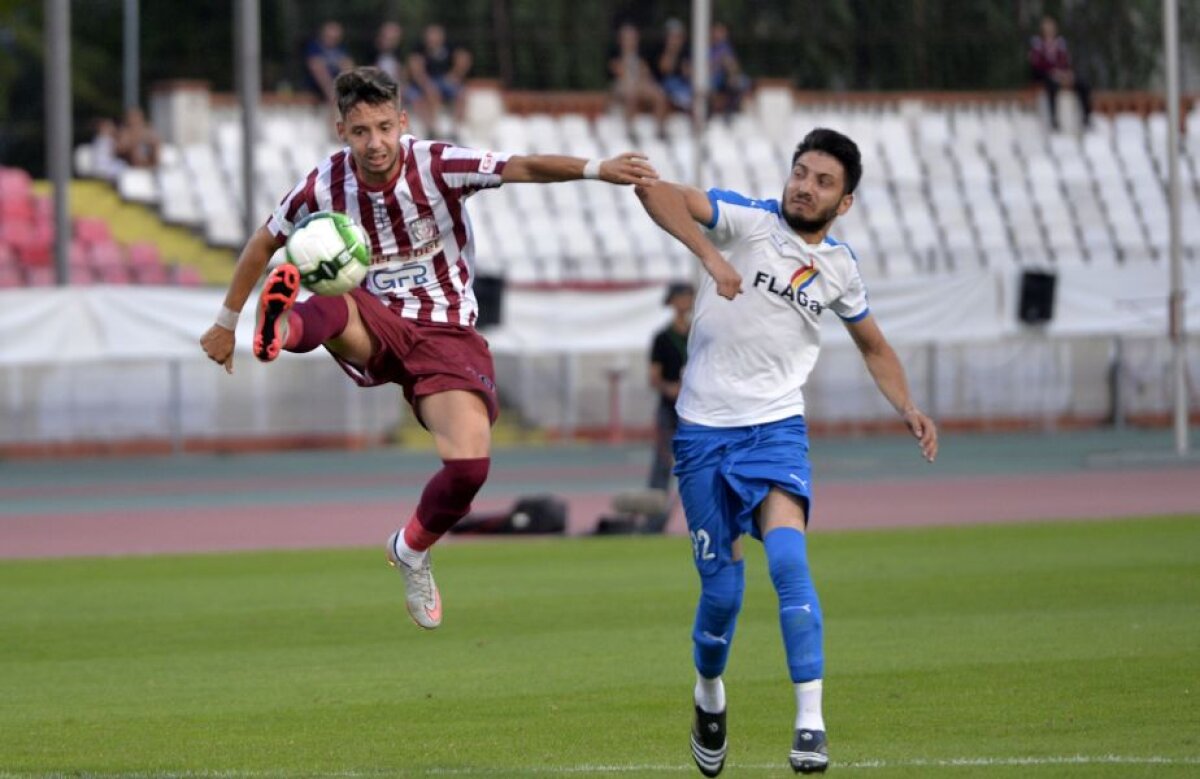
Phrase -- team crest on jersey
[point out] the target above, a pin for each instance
(422, 230)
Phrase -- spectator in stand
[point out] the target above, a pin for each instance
(438, 70)
(633, 81)
(105, 162)
(1050, 62)
(324, 59)
(729, 83)
(388, 56)
(137, 145)
(673, 66)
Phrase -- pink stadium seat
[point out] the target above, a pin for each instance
(10, 276)
(106, 254)
(92, 230)
(40, 276)
(187, 276)
(36, 255)
(16, 209)
(14, 182)
(151, 274)
(82, 276)
(113, 274)
(78, 255)
(143, 254)
(43, 208)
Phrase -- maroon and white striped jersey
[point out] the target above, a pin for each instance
(422, 246)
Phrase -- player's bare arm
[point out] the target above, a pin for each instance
(677, 209)
(626, 168)
(218, 341)
(889, 376)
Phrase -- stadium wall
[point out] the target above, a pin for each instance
(121, 367)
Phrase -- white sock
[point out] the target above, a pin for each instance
(710, 694)
(808, 706)
(407, 554)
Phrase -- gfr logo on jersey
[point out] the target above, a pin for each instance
(487, 163)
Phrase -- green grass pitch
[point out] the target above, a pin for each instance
(1062, 649)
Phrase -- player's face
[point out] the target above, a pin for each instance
(373, 134)
(814, 194)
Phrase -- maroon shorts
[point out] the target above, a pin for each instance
(424, 358)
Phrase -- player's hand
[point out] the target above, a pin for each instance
(631, 167)
(729, 281)
(923, 429)
(218, 345)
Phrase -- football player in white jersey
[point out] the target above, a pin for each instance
(741, 450)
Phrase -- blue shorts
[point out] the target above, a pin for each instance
(726, 472)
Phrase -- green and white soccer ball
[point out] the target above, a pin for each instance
(331, 252)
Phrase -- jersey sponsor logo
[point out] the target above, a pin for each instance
(487, 163)
(396, 275)
(803, 277)
(792, 291)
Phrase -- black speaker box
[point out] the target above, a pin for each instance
(1036, 303)
(489, 293)
(533, 515)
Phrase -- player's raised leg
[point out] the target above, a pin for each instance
(461, 428)
(782, 519)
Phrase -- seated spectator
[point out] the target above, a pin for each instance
(438, 70)
(729, 83)
(1050, 62)
(105, 162)
(673, 66)
(633, 82)
(324, 59)
(388, 56)
(136, 144)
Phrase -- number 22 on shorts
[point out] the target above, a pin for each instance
(702, 545)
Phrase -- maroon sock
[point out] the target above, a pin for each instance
(446, 499)
(314, 321)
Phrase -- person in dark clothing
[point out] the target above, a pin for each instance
(1050, 62)
(438, 70)
(668, 355)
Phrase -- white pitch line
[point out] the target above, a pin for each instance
(949, 762)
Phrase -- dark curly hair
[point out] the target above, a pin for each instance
(837, 146)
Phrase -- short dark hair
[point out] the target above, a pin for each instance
(364, 85)
(837, 146)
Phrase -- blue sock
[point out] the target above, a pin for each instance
(799, 610)
(716, 617)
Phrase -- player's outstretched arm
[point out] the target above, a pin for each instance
(218, 341)
(889, 376)
(676, 209)
(628, 168)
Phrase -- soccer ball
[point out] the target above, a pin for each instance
(330, 251)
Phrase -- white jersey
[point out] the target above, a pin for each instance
(748, 358)
(422, 246)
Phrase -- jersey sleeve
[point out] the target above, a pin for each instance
(465, 170)
(734, 215)
(852, 304)
(296, 205)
